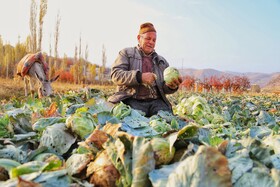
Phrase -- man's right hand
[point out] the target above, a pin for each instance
(148, 78)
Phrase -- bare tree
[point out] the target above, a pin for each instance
(103, 67)
(32, 25)
(56, 37)
(104, 57)
(76, 54)
(86, 53)
(79, 65)
(50, 46)
(73, 69)
(50, 59)
(43, 11)
(1, 53)
(80, 46)
(85, 64)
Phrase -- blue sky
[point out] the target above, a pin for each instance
(226, 35)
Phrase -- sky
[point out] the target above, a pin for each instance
(226, 35)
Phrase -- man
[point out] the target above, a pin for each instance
(138, 74)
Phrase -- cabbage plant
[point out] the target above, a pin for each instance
(81, 123)
(162, 152)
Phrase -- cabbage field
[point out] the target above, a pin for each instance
(79, 139)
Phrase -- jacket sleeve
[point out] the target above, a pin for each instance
(121, 73)
(168, 90)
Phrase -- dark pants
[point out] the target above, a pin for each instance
(150, 107)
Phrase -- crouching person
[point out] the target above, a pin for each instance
(138, 74)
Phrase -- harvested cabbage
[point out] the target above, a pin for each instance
(170, 73)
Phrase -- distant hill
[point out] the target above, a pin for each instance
(274, 83)
(262, 79)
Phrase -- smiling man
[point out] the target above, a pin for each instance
(138, 74)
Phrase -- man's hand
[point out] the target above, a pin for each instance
(148, 78)
(175, 83)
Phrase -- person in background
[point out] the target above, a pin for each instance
(138, 74)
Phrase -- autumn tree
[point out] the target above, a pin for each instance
(56, 37)
(74, 67)
(9, 58)
(244, 83)
(33, 26)
(43, 11)
(65, 75)
(28, 43)
(227, 83)
(188, 82)
(49, 59)
(85, 70)
(79, 63)
(82, 68)
(63, 66)
(1, 53)
(206, 84)
(215, 83)
(92, 71)
(240, 83)
(102, 68)
(20, 51)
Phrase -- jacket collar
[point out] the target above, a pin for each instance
(143, 53)
(153, 54)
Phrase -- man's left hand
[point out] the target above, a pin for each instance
(175, 83)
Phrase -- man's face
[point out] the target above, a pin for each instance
(147, 41)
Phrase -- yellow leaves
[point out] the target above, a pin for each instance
(51, 111)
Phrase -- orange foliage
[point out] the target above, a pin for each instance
(188, 82)
(66, 76)
(51, 111)
(215, 83)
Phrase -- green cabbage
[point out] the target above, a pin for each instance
(208, 167)
(170, 73)
(160, 125)
(6, 129)
(42, 123)
(81, 123)
(57, 139)
(163, 154)
(121, 110)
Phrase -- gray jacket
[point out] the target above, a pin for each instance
(125, 68)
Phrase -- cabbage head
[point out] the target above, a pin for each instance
(81, 123)
(6, 129)
(170, 73)
(162, 152)
(121, 110)
(160, 125)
